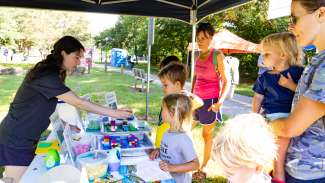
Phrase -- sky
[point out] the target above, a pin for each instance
(99, 22)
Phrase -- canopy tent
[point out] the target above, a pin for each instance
(190, 11)
(185, 10)
(229, 42)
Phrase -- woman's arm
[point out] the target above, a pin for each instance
(305, 113)
(71, 98)
(186, 167)
(257, 102)
(225, 78)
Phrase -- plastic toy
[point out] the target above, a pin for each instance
(81, 148)
(113, 160)
(93, 126)
(52, 159)
(113, 126)
(114, 144)
(106, 143)
(43, 147)
(105, 120)
(125, 126)
(133, 141)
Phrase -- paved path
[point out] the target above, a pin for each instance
(239, 104)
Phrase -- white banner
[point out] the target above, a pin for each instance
(279, 8)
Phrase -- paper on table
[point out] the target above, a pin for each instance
(149, 170)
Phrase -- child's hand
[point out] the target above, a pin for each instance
(165, 166)
(154, 154)
(287, 82)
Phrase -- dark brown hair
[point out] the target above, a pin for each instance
(174, 72)
(54, 61)
(206, 28)
(311, 5)
(168, 60)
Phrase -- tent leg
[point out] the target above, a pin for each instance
(151, 28)
(193, 52)
(148, 83)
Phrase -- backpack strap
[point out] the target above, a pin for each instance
(214, 59)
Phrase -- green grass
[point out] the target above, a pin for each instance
(245, 89)
(97, 84)
(154, 69)
(22, 65)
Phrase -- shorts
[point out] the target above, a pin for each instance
(16, 157)
(277, 115)
(290, 179)
(206, 117)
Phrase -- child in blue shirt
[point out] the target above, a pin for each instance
(274, 89)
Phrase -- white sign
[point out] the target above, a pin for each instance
(111, 100)
(279, 8)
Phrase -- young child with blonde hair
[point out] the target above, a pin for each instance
(274, 89)
(245, 149)
(176, 150)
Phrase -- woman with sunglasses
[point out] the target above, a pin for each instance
(305, 160)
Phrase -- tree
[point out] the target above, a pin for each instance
(26, 28)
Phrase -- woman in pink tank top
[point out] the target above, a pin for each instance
(210, 83)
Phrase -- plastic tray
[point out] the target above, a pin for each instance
(133, 127)
(145, 144)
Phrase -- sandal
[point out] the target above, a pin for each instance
(199, 176)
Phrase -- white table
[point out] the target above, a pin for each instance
(37, 167)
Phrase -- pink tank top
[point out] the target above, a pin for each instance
(207, 84)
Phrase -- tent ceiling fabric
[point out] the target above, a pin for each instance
(178, 9)
(229, 42)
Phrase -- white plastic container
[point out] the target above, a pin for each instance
(95, 163)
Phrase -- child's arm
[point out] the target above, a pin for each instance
(257, 102)
(287, 82)
(154, 154)
(180, 168)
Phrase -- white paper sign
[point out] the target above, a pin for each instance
(279, 8)
(111, 100)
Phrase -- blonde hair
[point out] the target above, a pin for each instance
(180, 105)
(285, 43)
(174, 72)
(245, 141)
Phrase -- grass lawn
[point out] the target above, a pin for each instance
(154, 69)
(245, 89)
(97, 84)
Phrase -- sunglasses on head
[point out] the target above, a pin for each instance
(293, 19)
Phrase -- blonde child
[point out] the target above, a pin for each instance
(274, 89)
(176, 151)
(245, 149)
(173, 77)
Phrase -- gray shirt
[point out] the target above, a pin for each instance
(177, 148)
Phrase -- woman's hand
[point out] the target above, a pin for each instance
(154, 154)
(165, 166)
(121, 113)
(215, 107)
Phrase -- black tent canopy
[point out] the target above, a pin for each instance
(178, 9)
(190, 11)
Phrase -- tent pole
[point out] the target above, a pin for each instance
(193, 53)
(148, 83)
(151, 28)
(193, 22)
